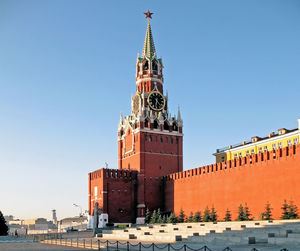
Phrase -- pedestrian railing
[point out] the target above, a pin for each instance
(107, 245)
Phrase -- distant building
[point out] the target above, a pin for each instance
(75, 223)
(283, 138)
(54, 218)
(8, 218)
(31, 226)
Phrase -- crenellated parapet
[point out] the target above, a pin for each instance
(113, 174)
(253, 160)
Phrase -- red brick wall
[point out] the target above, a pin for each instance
(116, 193)
(155, 158)
(228, 184)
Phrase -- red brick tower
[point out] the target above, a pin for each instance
(150, 138)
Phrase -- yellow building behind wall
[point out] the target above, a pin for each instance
(281, 139)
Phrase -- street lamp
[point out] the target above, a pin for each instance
(75, 205)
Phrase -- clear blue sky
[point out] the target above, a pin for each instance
(67, 71)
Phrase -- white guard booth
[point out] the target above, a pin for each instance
(103, 220)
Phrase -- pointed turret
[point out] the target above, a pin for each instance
(121, 119)
(178, 114)
(149, 48)
(179, 119)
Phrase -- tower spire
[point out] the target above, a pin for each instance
(179, 114)
(149, 48)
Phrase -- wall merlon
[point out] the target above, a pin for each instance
(253, 160)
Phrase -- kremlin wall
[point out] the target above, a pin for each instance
(257, 179)
(150, 158)
(266, 177)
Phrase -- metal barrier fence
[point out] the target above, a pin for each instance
(118, 245)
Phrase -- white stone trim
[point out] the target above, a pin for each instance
(158, 131)
(155, 131)
(149, 79)
(167, 154)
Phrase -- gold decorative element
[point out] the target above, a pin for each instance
(136, 103)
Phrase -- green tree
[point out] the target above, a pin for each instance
(227, 215)
(267, 214)
(213, 214)
(247, 212)
(285, 211)
(292, 211)
(197, 217)
(3, 226)
(147, 216)
(181, 217)
(241, 214)
(191, 217)
(206, 215)
(172, 218)
(153, 217)
(164, 219)
(159, 217)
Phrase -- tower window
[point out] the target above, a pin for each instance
(166, 125)
(171, 140)
(146, 66)
(175, 127)
(155, 124)
(161, 140)
(147, 124)
(154, 66)
(150, 138)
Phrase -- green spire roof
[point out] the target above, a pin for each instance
(149, 48)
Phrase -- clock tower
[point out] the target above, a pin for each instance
(150, 138)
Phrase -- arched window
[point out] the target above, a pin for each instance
(166, 125)
(161, 140)
(121, 132)
(147, 124)
(175, 127)
(154, 66)
(171, 140)
(150, 138)
(155, 124)
(146, 66)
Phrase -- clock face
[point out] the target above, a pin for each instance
(156, 101)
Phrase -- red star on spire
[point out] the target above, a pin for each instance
(148, 14)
